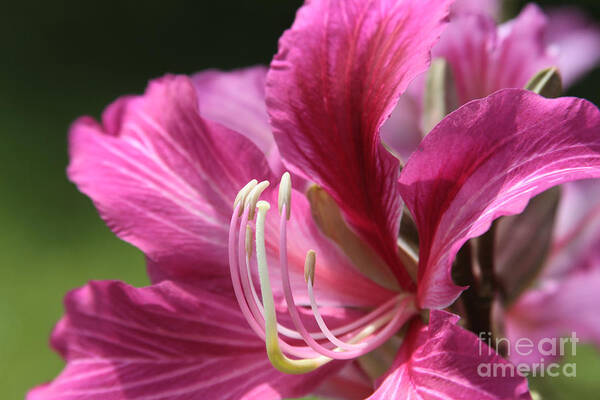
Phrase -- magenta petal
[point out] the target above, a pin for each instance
(163, 178)
(163, 342)
(555, 310)
(442, 361)
(485, 160)
(336, 78)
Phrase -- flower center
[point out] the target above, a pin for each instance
(343, 343)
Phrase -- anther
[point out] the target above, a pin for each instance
(285, 195)
(253, 197)
(309, 267)
(241, 196)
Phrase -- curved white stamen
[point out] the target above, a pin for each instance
(277, 358)
(249, 305)
(309, 276)
(285, 195)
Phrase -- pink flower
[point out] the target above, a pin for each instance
(485, 57)
(165, 168)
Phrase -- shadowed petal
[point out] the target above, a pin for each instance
(522, 242)
(402, 132)
(162, 177)
(575, 40)
(336, 78)
(442, 361)
(236, 99)
(485, 160)
(163, 342)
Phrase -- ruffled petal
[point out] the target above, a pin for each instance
(486, 160)
(444, 361)
(164, 178)
(163, 342)
(335, 80)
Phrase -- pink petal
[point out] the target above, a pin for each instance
(338, 75)
(486, 160)
(577, 230)
(164, 178)
(485, 58)
(575, 40)
(163, 342)
(555, 310)
(236, 100)
(442, 361)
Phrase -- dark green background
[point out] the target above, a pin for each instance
(62, 59)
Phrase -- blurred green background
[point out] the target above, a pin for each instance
(63, 59)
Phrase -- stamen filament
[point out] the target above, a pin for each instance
(289, 298)
(255, 320)
(235, 279)
(255, 306)
(277, 358)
